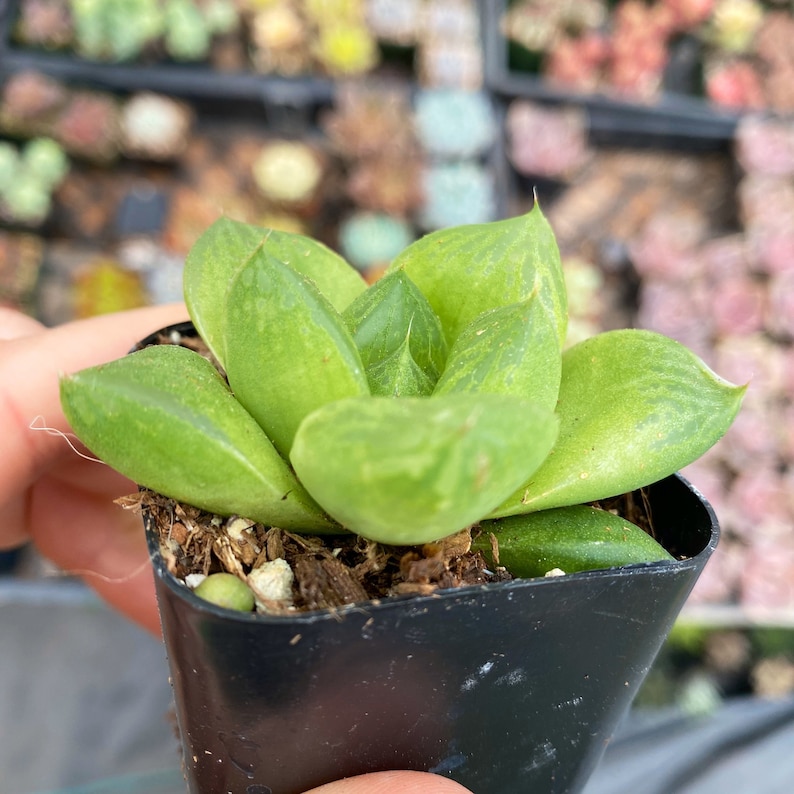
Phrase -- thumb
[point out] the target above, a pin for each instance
(393, 783)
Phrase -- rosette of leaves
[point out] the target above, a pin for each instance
(437, 398)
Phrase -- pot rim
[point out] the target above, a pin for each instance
(457, 594)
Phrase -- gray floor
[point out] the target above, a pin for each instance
(85, 702)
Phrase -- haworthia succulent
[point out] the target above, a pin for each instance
(634, 407)
(227, 245)
(415, 469)
(467, 270)
(165, 418)
(571, 539)
(288, 351)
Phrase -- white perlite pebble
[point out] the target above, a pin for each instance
(272, 584)
(193, 580)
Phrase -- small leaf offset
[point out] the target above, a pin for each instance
(634, 407)
(225, 247)
(509, 350)
(287, 351)
(412, 470)
(165, 418)
(576, 538)
(467, 270)
(396, 332)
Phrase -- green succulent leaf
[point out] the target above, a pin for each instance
(415, 469)
(399, 375)
(575, 538)
(397, 331)
(634, 407)
(288, 350)
(509, 350)
(467, 270)
(226, 246)
(165, 418)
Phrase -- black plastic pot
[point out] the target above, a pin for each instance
(508, 687)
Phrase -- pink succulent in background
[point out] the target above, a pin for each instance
(89, 126)
(735, 84)
(719, 582)
(758, 497)
(666, 246)
(725, 257)
(675, 310)
(546, 141)
(31, 95)
(576, 62)
(780, 315)
(738, 306)
(755, 360)
(773, 250)
(688, 14)
(765, 146)
(710, 477)
(767, 577)
(755, 438)
(766, 202)
(638, 53)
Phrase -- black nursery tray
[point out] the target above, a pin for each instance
(673, 120)
(190, 81)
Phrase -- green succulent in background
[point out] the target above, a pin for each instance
(187, 32)
(116, 30)
(45, 160)
(28, 178)
(438, 398)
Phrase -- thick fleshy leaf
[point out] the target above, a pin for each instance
(634, 407)
(509, 350)
(288, 350)
(467, 270)
(412, 470)
(391, 319)
(227, 245)
(575, 538)
(165, 418)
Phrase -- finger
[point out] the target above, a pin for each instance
(29, 369)
(393, 783)
(14, 324)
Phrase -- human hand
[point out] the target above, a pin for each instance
(393, 783)
(48, 493)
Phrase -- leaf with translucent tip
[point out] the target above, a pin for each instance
(415, 469)
(227, 245)
(166, 419)
(287, 350)
(634, 407)
(467, 270)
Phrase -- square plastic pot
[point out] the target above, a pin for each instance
(506, 687)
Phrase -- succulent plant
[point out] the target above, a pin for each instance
(116, 30)
(454, 124)
(288, 172)
(155, 126)
(734, 24)
(369, 239)
(88, 126)
(407, 411)
(457, 193)
(187, 33)
(28, 178)
(45, 161)
(345, 49)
